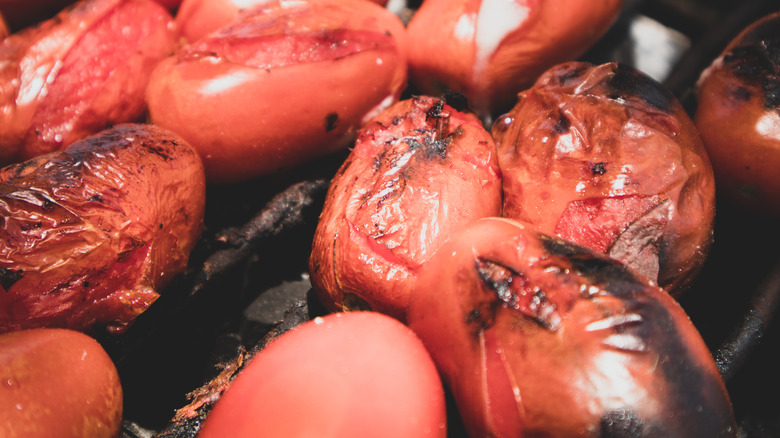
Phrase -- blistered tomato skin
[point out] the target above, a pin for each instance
(52, 96)
(605, 157)
(536, 336)
(418, 173)
(57, 383)
(356, 374)
(284, 84)
(90, 235)
(490, 50)
(738, 116)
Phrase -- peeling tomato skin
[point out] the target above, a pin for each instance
(90, 235)
(51, 97)
(292, 81)
(57, 382)
(738, 113)
(607, 148)
(418, 173)
(537, 336)
(490, 51)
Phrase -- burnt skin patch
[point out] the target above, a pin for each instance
(599, 168)
(331, 121)
(621, 423)
(562, 124)
(627, 82)
(758, 64)
(9, 277)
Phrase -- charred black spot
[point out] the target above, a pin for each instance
(33, 226)
(480, 319)
(97, 197)
(599, 168)
(397, 120)
(456, 100)
(562, 125)
(430, 146)
(85, 284)
(9, 277)
(621, 423)
(609, 275)
(331, 121)
(628, 82)
(435, 111)
(758, 64)
(47, 204)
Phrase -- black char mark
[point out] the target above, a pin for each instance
(758, 64)
(331, 121)
(621, 423)
(9, 277)
(627, 82)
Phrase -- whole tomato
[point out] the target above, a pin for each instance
(418, 173)
(604, 156)
(92, 234)
(284, 84)
(344, 375)
(57, 383)
(490, 50)
(738, 116)
(539, 337)
(78, 73)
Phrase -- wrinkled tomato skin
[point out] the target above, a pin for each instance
(602, 155)
(356, 374)
(738, 116)
(90, 235)
(490, 51)
(536, 336)
(57, 382)
(252, 106)
(418, 172)
(52, 95)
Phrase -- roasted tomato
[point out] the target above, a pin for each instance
(605, 157)
(491, 50)
(417, 174)
(91, 234)
(4, 31)
(536, 336)
(57, 383)
(285, 83)
(53, 94)
(197, 18)
(738, 116)
(344, 375)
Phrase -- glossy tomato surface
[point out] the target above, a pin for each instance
(491, 50)
(418, 173)
(604, 156)
(738, 116)
(57, 383)
(284, 84)
(539, 337)
(355, 374)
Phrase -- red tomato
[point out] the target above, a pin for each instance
(282, 85)
(57, 382)
(197, 18)
(738, 116)
(491, 50)
(355, 374)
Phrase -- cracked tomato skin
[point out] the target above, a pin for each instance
(490, 50)
(54, 94)
(284, 84)
(418, 173)
(57, 382)
(90, 235)
(343, 375)
(738, 116)
(603, 156)
(536, 336)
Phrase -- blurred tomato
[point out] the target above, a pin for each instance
(57, 383)
(284, 84)
(78, 73)
(738, 116)
(490, 50)
(23, 13)
(357, 374)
